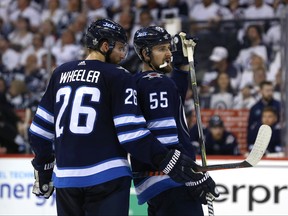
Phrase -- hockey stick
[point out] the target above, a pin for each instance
(257, 152)
(188, 51)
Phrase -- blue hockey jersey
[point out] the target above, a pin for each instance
(161, 100)
(89, 116)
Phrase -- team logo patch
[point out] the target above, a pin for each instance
(153, 75)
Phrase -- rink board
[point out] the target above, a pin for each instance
(262, 190)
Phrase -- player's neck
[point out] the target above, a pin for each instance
(95, 56)
(146, 67)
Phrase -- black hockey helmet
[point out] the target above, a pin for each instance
(216, 121)
(104, 29)
(146, 38)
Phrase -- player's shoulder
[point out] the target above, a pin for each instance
(67, 66)
(100, 66)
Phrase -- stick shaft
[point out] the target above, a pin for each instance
(198, 114)
(190, 53)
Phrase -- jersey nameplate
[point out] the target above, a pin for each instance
(80, 76)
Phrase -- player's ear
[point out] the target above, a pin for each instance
(145, 55)
(104, 46)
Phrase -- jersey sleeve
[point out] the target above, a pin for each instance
(41, 131)
(181, 80)
(130, 124)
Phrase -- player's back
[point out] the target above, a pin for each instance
(83, 97)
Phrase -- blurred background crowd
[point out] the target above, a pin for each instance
(237, 57)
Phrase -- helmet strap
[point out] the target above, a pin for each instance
(150, 64)
(111, 47)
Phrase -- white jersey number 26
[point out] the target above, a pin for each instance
(77, 109)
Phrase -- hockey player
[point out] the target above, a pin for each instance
(161, 101)
(89, 119)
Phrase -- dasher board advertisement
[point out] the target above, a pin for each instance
(260, 190)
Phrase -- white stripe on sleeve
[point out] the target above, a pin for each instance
(129, 119)
(44, 114)
(167, 123)
(130, 136)
(168, 139)
(41, 132)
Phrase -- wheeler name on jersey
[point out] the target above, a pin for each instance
(79, 76)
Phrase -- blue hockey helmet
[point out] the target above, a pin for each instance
(146, 38)
(104, 29)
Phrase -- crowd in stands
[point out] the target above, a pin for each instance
(237, 51)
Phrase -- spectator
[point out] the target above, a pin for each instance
(253, 42)
(277, 86)
(35, 81)
(222, 97)
(37, 48)
(266, 91)
(152, 6)
(24, 9)
(53, 12)
(257, 61)
(65, 49)
(10, 139)
(173, 9)
(235, 11)
(221, 64)
(207, 11)
(126, 20)
(3, 91)
(244, 99)
(5, 28)
(273, 38)
(278, 7)
(220, 141)
(48, 30)
(269, 117)
(205, 92)
(18, 95)
(21, 37)
(258, 10)
(259, 76)
(95, 10)
(71, 12)
(232, 12)
(78, 27)
(274, 67)
(48, 65)
(122, 6)
(4, 11)
(145, 20)
(9, 57)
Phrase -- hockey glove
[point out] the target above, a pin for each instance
(177, 51)
(179, 167)
(43, 185)
(202, 187)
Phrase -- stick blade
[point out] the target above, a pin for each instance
(260, 145)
